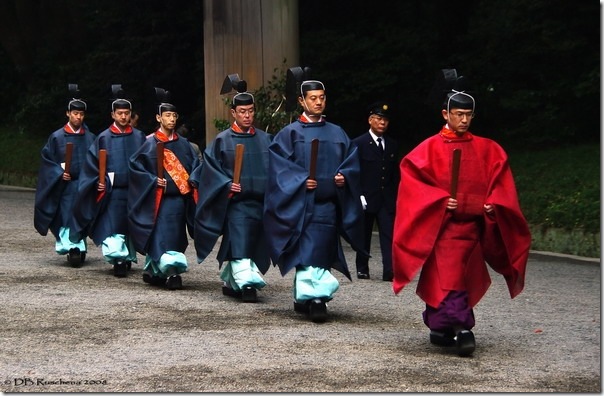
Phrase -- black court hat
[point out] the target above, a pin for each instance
(118, 95)
(451, 91)
(459, 100)
(242, 98)
(163, 97)
(75, 103)
(297, 82)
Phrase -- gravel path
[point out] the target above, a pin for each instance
(83, 330)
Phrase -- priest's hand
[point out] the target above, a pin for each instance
(339, 179)
(452, 204)
(161, 182)
(66, 176)
(100, 187)
(489, 209)
(311, 184)
(235, 188)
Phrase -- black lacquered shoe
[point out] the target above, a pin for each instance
(301, 307)
(445, 338)
(227, 291)
(249, 295)
(363, 275)
(174, 282)
(74, 257)
(120, 269)
(152, 279)
(317, 310)
(465, 343)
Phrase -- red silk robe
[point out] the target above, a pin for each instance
(451, 247)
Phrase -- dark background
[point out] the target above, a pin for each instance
(534, 66)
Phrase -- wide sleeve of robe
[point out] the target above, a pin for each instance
(420, 212)
(142, 193)
(211, 209)
(88, 201)
(50, 183)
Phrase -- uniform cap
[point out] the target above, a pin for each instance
(380, 108)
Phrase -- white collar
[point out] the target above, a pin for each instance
(375, 137)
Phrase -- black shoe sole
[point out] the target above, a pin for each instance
(174, 282)
(249, 295)
(153, 280)
(317, 311)
(120, 269)
(300, 307)
(227, 291)
(75, 257)
(442, 339)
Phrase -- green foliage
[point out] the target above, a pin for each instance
(576, 241)
(560, 188)
(221, 124)
(19, 157)
(270, 115)
(534, 66)
(270, 103)
(140, 44)
(545, 90)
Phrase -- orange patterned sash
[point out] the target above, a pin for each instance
(177, 172)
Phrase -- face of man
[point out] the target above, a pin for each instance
(167, 120)
(459, 120)
(121, 117)
(244, 116)
(313, 102)
(378, 124)
(76, 118)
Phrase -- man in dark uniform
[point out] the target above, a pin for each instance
(58, 177)
(379, 184)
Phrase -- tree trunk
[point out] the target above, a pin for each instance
(247, 37)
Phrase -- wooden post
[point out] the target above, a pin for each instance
(248, 37)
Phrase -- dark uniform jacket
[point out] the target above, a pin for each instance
(380, 173)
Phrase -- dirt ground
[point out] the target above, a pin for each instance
(70, 329)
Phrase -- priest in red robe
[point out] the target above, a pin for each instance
(451, 239)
